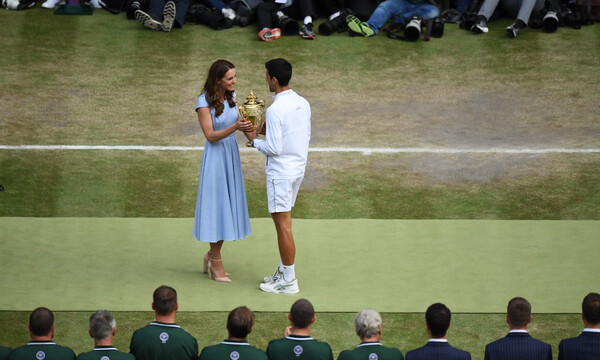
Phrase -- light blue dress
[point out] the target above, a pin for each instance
(221, 208)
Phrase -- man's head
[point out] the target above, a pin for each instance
(438, 317)
(302, 314)
(518, 313)
(590, 309)
(102, 325)
(164, 300)
(279, 73)
(41, 322)
(240, 322)
(367, 324)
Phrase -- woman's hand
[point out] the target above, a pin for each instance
(245, 126)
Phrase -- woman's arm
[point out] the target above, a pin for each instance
(205, 120)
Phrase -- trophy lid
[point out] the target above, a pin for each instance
(251, 99)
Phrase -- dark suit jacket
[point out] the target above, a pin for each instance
(437, 351)
(585, 346)
(518, 346)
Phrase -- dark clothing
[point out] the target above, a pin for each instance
(437, 350)
(518, 346)
(585, 346)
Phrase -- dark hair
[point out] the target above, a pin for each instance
(438, 317)
(165, 300)
(102, 324)
(216, 72)
(240, 322)
(518, 311)
(280, 69)
(41, 321)
(302, 313)
(591, 308)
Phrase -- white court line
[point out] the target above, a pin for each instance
(362, 150)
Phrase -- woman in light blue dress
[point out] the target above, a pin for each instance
(221, 208)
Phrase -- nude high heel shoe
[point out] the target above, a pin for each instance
(211, 274)
(205, 260)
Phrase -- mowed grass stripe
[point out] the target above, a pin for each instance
(363, 150)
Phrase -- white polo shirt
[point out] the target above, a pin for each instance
(287, 136)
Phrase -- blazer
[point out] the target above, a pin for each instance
(585, 346)
(434, 350)
(518, 346)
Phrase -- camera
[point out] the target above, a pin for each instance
(200, 14)
(437, 27)
(550, 21)
(335, 24)
(288, 26)
(412, 31)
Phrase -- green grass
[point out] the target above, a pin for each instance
(103, 80)
(405, 331)
(155, 184)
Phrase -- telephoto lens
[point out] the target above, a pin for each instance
(288, 26)
(550, 21)
(413, 29)
(335, 24)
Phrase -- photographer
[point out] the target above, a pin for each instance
(233, 10)
(521, 9)
(397, 10)
(277, 17)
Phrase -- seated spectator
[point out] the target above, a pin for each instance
(41, 346)
(275, 17)
(521, 9)
(518, 344)
(297, 342)
(103, 328)
(368, 328)
(163, 16)
(163, 339)
(4, 352)
(239, 324)
(233, 10)
(587, 344)
(438, 321)
(397, 10)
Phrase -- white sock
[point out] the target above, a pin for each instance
(307, 20)
(288, 272)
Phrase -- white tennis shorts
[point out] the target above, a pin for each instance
(281, 194)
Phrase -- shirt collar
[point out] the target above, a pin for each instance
(518, 332)
(591, 330)
(438, 340)
(373, 343)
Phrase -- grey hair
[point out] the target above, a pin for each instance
(367, 323)
(102, 324)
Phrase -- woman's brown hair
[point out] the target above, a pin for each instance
(216, 72)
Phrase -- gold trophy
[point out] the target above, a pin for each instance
(253, 110)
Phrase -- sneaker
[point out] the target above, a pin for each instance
(358, 26)
(276, 275)
(514, 29)
(269, 34)
(480, 25)
(148, 21)
(307, 32)
(168, 16)
(281, 286)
